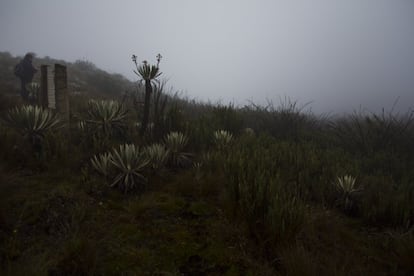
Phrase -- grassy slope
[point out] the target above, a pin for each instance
(84, 77)
(56, 224)
(63, 224)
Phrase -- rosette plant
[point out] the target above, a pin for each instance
(34, 89)
(347, 190)
(157, 155)
(129, 165)
(32, 122)
(176, 143)
(106, 116)
(147, 73)
(222, 138)
(102, 163)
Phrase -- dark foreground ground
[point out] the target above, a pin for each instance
(65, 224)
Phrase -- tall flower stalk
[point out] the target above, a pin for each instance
(147, 73)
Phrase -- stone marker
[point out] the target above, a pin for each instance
(54, 89)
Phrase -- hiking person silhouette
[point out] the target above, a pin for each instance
(25, 71)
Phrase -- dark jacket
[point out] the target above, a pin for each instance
(28, 70)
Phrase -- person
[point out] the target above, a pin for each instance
(25, 71)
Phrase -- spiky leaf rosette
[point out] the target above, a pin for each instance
(107, 116)
(32, 121)
(175, 143)
(102, 163)
(33, 88)
(147, 71)
(157, 155)
(129, 164)
(347, 190)
(346, 184)
(222, 138)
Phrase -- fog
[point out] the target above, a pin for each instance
(338, 54)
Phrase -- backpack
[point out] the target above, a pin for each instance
(18, 70)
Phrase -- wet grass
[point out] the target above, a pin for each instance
(57, 224)
(53, 224)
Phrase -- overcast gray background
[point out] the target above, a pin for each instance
(339, 54)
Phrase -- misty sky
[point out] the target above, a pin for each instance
(339, 54)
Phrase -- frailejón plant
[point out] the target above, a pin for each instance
(102, 163)
(129, 164)
(33, 89)
(106, 116)
(347, 190)
(222, 138)
(147, 73)
(176, 143)
(157, 155)
(32, 122)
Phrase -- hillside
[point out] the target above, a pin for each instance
(204, 190)
(83, 77)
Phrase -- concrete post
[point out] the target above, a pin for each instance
(54, 89)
